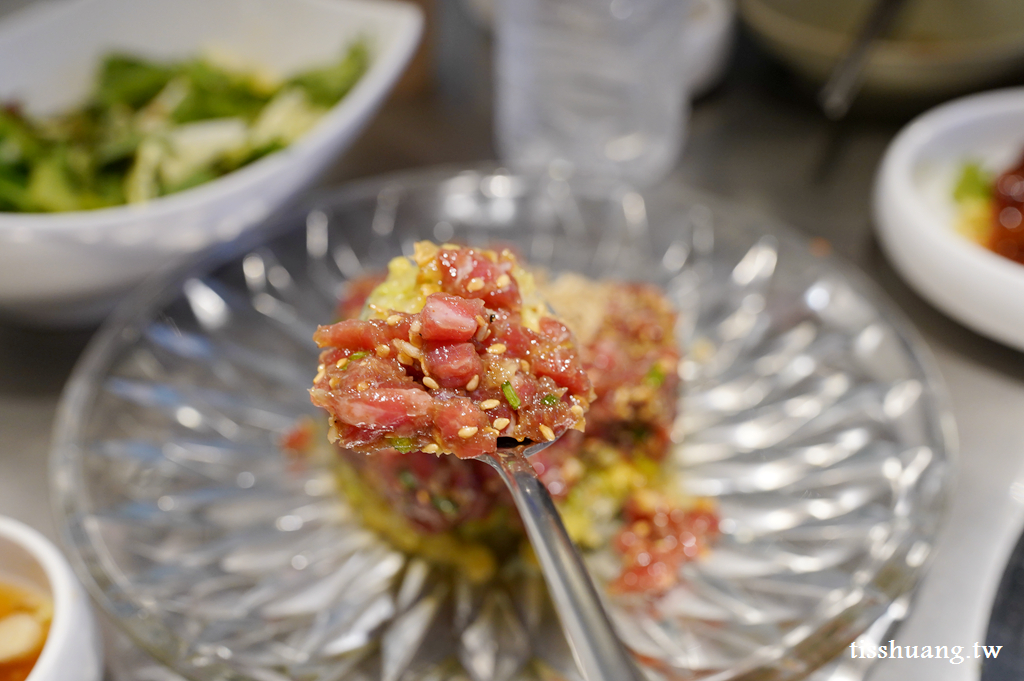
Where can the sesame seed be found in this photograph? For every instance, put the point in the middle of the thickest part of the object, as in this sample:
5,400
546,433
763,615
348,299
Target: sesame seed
382,350
474,383
489,404
394,319
404,358
467,431
335,380
497,349
501,424
474,284
408,348
430,383
340,364
524,365
576,409
320,370
431,449
503,281
415,327
363,385
547,432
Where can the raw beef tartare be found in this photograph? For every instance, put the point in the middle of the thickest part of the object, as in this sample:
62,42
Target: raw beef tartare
609,477
455,349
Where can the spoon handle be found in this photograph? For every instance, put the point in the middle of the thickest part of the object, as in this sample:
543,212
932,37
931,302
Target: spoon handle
599,653
838,93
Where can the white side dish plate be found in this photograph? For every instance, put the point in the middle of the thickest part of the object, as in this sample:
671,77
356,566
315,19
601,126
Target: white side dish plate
915,212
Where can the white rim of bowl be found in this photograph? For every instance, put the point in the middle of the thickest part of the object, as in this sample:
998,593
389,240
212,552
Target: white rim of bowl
62,587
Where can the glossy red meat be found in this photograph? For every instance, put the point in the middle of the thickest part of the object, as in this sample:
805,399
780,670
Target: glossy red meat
435,493
657,539
1007,237
455,375
450,318
452,365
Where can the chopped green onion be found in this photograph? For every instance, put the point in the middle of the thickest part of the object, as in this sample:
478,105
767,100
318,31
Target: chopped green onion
327,84
402,444
407,479
444,505
974,183
510,395
655,376
355,357
549,400
639,433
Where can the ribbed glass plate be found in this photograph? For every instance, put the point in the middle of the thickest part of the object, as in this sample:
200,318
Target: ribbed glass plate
808,413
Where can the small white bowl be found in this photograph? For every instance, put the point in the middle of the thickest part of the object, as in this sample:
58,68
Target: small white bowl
73,650
914,211
71,267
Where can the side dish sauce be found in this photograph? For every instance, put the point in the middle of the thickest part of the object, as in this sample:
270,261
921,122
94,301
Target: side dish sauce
25,615
1007,237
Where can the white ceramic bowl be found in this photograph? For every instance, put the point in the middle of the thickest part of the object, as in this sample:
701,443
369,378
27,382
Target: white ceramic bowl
937,47
914,211
73,650
70,267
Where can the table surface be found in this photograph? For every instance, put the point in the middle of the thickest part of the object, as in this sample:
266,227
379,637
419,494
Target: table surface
758,139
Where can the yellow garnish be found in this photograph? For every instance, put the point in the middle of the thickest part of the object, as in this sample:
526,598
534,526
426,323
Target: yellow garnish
974,220
411,280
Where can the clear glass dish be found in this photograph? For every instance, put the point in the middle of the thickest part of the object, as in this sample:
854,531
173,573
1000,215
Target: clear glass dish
809,413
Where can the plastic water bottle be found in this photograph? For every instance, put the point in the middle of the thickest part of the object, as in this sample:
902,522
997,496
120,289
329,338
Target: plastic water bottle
591,87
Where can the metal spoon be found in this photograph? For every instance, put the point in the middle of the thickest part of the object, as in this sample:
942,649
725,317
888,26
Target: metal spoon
844,82
598,651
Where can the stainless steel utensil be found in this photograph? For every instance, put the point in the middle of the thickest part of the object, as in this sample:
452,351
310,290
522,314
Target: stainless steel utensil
838,93
598,650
